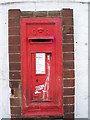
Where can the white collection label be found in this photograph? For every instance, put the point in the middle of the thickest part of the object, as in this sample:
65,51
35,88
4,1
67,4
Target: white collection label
40,63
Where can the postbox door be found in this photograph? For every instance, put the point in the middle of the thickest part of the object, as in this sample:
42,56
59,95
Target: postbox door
41,76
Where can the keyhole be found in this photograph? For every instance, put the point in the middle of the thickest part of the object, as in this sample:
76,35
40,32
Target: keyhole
36,80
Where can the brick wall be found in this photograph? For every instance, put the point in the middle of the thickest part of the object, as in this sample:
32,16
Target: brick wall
68,63
15,60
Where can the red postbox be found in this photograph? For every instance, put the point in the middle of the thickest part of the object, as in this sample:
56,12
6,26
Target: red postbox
41,66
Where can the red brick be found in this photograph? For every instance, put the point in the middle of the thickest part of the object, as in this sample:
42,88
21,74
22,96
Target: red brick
67,12
14,39
68,100
14,13
15,101
16,92
68,39
53,13
14,31
15,110
67,29
26,14
68,65
14,22
68,56
69,91
70,115
14,49
68,47
40,13
67,20
68,108
14,66
35,118
14,57
68,73
14,84
68,83
17,117
14,75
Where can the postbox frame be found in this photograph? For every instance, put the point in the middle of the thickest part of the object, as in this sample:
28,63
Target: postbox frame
24,41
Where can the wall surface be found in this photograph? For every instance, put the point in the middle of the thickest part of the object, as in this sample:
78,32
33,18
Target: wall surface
88,61
81,49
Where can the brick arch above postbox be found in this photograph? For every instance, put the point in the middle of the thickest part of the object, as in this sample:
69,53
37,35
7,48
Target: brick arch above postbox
14,16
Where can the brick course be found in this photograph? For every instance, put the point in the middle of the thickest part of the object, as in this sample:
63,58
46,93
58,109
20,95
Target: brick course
68,100
15,101
68,83
70,115
27,14
68,39
14,58
67,21
14,16
14,84
68,56
40,13
67,13
68,65
14,66
14,40
14,75
67,29
14,31
54,13
16,92
68,48
14,49
13,22
68,108
68,91
14,13
68,73
16,110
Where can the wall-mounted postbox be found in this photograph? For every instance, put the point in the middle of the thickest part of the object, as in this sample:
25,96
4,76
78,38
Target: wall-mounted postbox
41,66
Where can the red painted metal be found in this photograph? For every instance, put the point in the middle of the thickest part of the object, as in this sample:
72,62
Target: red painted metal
41,45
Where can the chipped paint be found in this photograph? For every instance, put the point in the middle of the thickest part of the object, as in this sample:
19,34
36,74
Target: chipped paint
46,87
25,101
40,87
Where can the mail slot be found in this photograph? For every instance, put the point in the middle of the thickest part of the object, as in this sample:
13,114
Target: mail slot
41,66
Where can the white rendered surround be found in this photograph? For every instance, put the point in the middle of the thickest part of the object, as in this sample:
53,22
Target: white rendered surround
80,11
